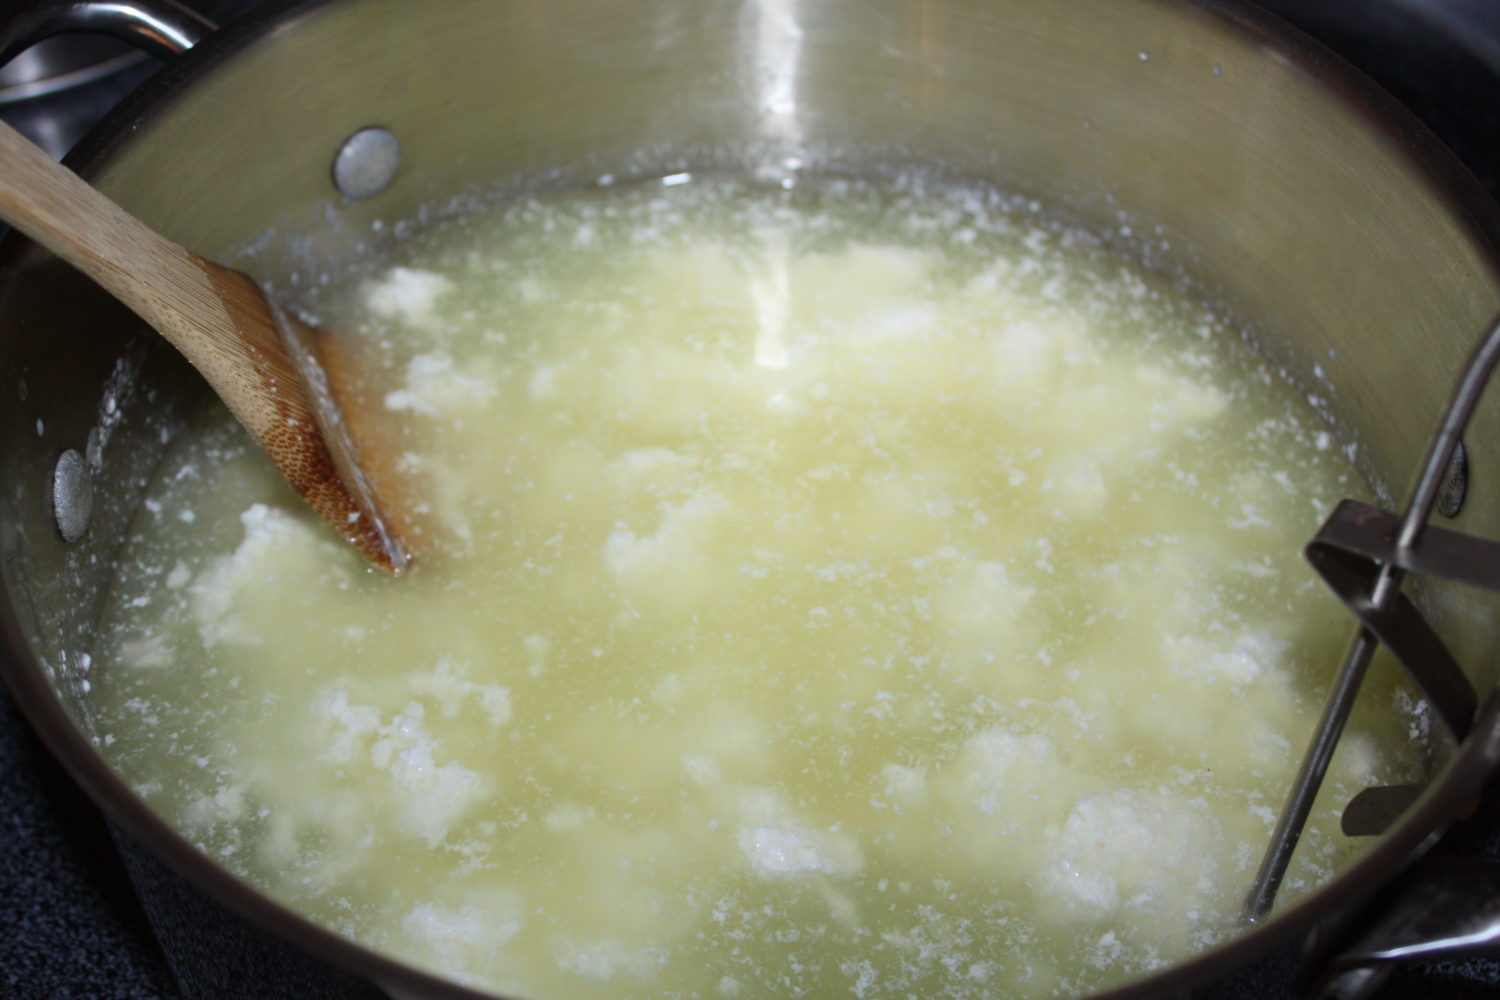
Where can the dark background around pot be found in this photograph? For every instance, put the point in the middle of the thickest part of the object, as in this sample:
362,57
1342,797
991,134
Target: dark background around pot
84,916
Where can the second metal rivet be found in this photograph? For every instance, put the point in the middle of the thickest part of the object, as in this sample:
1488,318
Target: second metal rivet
366,163
72,495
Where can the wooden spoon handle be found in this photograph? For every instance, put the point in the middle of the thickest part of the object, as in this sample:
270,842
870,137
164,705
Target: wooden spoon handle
217,317
196,304
159,280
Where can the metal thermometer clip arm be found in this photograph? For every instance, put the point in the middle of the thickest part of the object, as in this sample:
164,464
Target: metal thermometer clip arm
1363,553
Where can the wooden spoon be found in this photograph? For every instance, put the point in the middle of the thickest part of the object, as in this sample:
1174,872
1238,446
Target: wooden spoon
261,360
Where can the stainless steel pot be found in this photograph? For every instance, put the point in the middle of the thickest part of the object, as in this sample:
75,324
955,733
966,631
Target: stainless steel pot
1204,137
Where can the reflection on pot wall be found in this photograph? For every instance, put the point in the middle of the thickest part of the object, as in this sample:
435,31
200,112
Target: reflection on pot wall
54,90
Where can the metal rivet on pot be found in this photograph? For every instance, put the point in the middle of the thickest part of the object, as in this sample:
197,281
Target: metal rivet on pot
72,495
1455,485
366,163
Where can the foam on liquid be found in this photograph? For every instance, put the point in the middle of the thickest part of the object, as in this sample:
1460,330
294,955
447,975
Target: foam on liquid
829,592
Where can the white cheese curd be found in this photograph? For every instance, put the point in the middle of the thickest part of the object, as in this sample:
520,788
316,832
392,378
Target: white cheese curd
808,604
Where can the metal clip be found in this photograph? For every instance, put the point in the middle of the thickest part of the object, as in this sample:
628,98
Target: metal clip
1364,554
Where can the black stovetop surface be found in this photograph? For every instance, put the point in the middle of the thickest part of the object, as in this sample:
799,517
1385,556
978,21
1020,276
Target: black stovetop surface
72,923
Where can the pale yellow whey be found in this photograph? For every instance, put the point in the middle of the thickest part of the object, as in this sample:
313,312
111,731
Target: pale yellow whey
843,591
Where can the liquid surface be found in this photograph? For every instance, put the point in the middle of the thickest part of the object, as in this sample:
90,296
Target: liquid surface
834,592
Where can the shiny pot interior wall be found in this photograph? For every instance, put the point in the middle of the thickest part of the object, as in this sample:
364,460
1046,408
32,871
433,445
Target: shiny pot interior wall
1198,136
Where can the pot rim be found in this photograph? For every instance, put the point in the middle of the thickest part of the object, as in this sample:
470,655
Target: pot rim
1456,785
